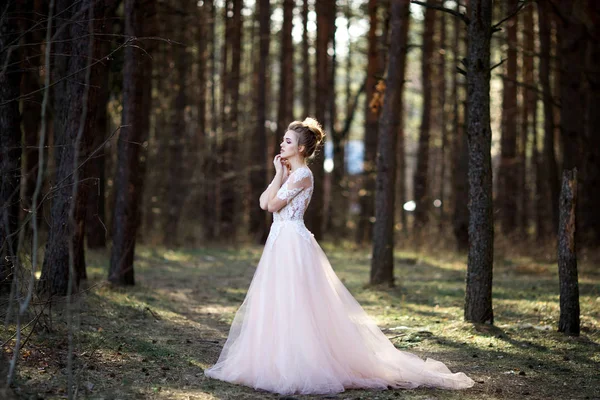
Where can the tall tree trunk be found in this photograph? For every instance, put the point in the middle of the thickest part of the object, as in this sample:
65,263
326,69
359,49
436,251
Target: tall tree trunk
421,190
567,256
76,41
325,17
31,106
95,224
400,147
306,73
478,301
590,195
443,123
374,71
10,144
286,79
229,180
210,162
177,142
508,189
129,179
460,151
549,188
529,109
382,262
258,176
571,54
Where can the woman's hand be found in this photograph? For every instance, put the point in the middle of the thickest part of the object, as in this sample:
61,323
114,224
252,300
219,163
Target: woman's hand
286,171
278,164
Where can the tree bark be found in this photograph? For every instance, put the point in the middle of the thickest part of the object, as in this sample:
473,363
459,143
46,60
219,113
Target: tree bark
567,256
210,162
31,106
75,41
443,120
129,179
549,188
229,180
177,142
364,231
573,43
460,152
478,301
325,17
258,176
286,80
401,142
382,262
590,195
10,144
508,189
421,190
95,225
306,72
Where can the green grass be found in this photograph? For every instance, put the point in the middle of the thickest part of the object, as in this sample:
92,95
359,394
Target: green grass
152,341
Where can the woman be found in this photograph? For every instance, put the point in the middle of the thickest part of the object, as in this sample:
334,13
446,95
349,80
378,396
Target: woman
299,330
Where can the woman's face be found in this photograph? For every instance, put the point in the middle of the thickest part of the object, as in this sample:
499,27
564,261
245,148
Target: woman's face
289,145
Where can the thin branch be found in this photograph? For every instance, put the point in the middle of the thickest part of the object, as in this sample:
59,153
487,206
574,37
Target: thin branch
496,27
350,117
499,64
462,16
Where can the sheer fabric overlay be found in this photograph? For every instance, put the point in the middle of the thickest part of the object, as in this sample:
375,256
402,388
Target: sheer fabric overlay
300,331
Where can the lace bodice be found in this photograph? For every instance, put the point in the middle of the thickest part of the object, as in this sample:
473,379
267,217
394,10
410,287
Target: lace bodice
297,191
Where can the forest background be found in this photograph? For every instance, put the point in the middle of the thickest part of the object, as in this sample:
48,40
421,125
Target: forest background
138,135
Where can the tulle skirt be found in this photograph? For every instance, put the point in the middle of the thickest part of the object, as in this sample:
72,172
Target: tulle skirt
300,331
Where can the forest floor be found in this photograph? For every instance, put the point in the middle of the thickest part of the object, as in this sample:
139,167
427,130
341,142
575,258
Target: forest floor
153,341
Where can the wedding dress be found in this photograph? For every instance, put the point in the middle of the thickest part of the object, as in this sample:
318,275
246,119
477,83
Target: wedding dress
300,331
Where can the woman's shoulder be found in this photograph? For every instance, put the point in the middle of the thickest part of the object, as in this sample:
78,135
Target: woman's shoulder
300,173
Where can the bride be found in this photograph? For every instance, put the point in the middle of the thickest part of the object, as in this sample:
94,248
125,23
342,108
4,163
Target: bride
299,330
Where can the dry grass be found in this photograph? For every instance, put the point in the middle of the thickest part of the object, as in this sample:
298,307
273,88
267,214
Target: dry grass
153,341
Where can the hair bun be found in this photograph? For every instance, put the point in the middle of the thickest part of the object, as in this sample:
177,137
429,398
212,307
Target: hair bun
315,128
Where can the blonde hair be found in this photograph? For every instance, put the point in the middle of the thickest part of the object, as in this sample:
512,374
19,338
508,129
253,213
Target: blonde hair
310,135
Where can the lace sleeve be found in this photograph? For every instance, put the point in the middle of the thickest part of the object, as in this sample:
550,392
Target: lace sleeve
297,181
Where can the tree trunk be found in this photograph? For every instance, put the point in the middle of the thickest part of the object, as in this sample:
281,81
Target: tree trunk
401,143
258,176
382,262
366,195
567,256
31,106
573,42
325,17
176,184
129,179
460,153
443,123
95,224
229,180
421,190
529,109
306,73
76,41
549,187
286,78
210,162
508,189
478,301
590,195
10,145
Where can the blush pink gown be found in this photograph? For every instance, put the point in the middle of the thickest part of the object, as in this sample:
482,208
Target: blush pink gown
300,331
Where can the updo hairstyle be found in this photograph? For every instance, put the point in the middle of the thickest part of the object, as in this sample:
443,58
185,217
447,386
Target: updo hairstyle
310,135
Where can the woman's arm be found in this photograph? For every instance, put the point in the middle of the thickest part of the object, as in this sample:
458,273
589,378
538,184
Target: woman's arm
271,191
281,174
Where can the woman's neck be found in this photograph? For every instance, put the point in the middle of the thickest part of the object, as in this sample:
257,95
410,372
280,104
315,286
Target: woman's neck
296,162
